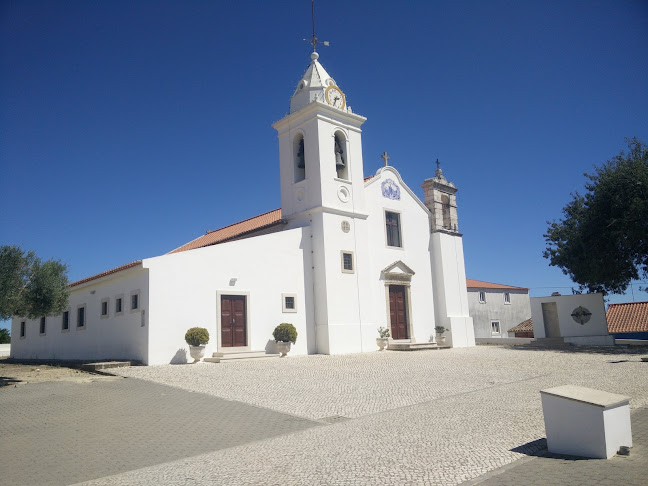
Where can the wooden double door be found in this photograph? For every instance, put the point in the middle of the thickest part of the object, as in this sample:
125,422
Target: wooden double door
233,321
398,312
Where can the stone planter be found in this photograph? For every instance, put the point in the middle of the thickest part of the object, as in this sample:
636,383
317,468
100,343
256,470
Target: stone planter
197,352
283,348
382,343
440,339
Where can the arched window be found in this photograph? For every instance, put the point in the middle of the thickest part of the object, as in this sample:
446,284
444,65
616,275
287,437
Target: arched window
299,158
341,162
445,211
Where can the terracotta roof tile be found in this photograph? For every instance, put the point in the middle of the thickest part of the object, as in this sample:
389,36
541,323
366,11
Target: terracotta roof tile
106,273
232,231
524,326
478,284
628,317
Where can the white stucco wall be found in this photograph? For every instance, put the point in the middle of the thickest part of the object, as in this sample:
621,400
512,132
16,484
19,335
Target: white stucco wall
415,237
566,304
185,290
495,309
114,337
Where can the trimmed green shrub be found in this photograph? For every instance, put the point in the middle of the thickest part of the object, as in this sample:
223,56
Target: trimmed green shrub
285,332
440,329
197,336
383,332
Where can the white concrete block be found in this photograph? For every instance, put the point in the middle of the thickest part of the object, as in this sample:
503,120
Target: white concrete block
585,422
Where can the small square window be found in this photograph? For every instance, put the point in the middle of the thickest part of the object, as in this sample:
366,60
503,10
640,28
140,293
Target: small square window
65,321
347,262
22,329
495,327
81,316
482,297
104,308
118,305
289,302
42,325
507,298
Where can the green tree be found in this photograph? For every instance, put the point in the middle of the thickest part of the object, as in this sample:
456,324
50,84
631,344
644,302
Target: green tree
30,287
602,241
5,337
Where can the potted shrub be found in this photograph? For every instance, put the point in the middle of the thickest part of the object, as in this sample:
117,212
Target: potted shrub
440,338
383,338
197,338
284,334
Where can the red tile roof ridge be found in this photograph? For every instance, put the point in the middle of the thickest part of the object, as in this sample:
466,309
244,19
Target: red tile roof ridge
627,317
106,273
232,231
480,284
524,326
243,221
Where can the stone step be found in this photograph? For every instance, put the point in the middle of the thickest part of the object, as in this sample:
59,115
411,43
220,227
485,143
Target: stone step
104,365
401,346
239,356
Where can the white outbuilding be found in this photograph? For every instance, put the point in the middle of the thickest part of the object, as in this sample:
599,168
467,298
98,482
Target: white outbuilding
343,256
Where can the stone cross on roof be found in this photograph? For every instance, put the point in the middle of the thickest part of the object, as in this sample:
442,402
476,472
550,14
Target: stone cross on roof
386,158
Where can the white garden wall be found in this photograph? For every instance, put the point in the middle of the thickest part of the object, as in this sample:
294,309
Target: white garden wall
123,336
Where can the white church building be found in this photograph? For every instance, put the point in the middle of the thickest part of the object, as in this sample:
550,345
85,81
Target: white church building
343,256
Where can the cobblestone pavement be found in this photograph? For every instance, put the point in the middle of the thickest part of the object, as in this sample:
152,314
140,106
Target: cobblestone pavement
439,418
558,470
59,433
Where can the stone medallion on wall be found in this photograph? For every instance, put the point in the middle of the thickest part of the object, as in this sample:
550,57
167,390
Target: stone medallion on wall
581,315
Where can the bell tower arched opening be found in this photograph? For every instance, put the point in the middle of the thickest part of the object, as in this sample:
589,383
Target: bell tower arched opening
341,160
299,162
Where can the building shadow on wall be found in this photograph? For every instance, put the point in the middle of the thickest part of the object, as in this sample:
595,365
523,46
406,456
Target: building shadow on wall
180,357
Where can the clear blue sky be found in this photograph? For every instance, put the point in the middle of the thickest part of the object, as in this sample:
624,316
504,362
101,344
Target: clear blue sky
128,128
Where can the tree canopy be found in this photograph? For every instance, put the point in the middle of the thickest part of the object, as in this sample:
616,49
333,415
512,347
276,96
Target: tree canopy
601,242
5,336
30,287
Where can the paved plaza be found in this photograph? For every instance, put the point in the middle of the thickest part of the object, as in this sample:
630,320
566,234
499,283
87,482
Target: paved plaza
426,417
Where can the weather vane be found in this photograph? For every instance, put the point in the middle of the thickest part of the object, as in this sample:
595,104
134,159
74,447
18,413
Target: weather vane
314,41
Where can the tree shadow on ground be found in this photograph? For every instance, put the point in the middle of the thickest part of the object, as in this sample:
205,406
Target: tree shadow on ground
7,380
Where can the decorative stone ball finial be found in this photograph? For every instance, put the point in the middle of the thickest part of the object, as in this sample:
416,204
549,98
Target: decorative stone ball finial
314,55
438,172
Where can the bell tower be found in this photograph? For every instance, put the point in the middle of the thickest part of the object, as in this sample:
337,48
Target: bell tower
320,148
322,186
447,258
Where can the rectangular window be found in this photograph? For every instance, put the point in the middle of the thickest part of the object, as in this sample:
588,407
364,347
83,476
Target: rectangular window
118,305
482,297
42,325
289,302
22,329
135,301
65,323
81,316
495,327
347,262
104,308
392,224
507,298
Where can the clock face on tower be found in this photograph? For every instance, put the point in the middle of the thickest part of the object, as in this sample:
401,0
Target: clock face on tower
335,97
